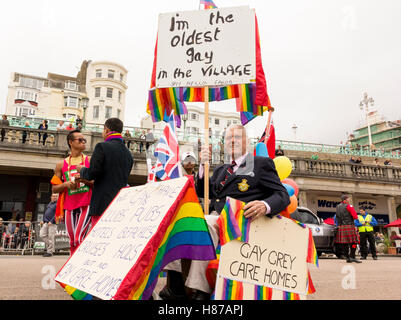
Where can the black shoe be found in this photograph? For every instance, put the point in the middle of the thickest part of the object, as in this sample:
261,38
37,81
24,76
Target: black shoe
349,260
363,258
374,258
356,261
167,294
200,295
47,255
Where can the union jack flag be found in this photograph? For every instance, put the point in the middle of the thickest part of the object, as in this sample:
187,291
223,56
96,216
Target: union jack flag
167,152
157,170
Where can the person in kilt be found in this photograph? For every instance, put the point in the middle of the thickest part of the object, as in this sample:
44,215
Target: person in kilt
347,236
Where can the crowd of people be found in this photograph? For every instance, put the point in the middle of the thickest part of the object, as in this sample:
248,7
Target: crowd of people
15,235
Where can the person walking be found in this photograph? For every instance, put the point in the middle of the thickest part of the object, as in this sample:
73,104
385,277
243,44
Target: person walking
365,224
75,193
109,168
49,226
347,236
43,126
24,133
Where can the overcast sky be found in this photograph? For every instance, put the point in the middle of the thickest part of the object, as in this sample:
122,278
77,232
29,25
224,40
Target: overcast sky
319,56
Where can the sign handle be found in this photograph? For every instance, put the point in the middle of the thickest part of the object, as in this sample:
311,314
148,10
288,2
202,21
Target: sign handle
206,164
267,132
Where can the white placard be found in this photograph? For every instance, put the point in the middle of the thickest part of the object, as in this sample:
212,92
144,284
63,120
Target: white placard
214,47
113,246
274,257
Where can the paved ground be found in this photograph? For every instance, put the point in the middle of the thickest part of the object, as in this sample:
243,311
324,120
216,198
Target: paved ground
29,278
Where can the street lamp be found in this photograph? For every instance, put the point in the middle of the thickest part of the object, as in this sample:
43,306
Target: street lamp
85,101
294,128
364,104
184,118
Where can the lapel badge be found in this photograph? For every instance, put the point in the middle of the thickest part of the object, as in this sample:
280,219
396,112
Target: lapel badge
243,186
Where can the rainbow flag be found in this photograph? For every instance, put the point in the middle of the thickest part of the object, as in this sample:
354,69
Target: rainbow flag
183,234
208,4
162,101
263,293
290,296
233,225
312,256
75,293
232,290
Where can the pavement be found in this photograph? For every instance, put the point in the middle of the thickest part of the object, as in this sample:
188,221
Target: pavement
31,278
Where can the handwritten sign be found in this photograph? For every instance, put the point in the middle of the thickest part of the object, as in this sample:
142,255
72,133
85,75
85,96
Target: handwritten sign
206,47
274,257
113,246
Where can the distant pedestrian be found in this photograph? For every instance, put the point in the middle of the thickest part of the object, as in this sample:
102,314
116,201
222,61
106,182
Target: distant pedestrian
49,226
347,236
69,127
142,136
4,123
60,126
365,224
78,121
149,138
24,133
127,137
388,162
24,235
43,126
279,152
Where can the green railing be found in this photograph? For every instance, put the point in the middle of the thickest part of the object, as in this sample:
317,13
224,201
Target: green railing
216,141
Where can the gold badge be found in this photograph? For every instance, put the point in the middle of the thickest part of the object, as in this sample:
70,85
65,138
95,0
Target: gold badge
243,186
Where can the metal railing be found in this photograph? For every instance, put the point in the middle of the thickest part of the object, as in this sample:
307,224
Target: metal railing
16,238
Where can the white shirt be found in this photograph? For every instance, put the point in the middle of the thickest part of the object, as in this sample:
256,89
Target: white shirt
238,163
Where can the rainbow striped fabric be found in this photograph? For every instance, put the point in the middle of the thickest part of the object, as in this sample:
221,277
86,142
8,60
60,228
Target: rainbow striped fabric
208,4
312,252
183,234
263,293
233,225
290,296
232,290
164,100
75,293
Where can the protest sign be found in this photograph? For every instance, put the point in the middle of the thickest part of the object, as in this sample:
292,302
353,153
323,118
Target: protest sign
275,256
200,48
131,242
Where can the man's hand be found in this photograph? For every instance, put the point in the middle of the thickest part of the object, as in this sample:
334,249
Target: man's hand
205,154
79,167
70,185
254,209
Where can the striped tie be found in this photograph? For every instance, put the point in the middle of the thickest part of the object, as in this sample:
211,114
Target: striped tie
229,172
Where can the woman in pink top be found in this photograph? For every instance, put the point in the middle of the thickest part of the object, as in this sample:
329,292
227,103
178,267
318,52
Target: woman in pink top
78,192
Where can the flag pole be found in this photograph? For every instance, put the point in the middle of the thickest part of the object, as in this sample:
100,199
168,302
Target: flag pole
206,164
267,132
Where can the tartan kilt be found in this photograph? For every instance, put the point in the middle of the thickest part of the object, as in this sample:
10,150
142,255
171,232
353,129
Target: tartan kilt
347,234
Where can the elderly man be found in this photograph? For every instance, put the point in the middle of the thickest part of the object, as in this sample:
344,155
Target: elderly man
248,178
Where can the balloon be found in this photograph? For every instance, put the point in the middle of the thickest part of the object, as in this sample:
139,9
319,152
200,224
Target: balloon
293,204
290,189
261,150
283,167
292,183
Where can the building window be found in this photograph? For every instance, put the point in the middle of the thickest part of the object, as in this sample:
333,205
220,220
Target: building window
98,73
118,113
194,116
108,112
228,123
121,77
119,96
194,130
71,102
234,121
95,112
217,121
70,85
31,83
111,74
109,93
97,92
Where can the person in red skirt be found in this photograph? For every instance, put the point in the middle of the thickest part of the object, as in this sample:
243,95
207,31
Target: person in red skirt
347,236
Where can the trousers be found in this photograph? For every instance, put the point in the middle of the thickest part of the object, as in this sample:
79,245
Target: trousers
48,233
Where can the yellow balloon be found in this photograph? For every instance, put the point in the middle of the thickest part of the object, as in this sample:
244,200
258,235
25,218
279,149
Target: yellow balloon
283,167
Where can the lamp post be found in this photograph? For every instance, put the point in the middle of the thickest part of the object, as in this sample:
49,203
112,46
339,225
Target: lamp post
364,105
294,128
85,102
184,118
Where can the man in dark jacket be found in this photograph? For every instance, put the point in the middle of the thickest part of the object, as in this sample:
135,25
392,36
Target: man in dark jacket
49,227
253,180
347,236
110,167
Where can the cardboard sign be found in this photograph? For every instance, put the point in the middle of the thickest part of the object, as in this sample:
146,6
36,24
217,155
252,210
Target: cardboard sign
113,246
274,257
213,47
